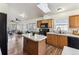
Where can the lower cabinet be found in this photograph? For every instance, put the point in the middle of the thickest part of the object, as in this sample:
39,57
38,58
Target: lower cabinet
73,42
57,40
52,39
62,41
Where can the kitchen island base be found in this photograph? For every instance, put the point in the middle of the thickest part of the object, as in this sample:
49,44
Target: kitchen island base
34,47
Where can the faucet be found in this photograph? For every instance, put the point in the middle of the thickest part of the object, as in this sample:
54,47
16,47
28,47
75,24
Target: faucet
59,30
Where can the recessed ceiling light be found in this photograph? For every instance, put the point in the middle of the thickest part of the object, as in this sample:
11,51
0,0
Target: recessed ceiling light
23,15
44,7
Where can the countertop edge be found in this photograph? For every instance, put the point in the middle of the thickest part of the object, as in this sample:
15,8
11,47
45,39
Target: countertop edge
35,39
70,35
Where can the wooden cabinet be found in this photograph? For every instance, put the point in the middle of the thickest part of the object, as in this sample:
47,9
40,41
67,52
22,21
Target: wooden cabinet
38,23
74,21
52,39
57,40
44,21
61,41
49,21
31,47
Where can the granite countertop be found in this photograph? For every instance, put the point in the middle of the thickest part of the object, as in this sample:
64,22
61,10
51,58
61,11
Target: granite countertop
35,37
70,35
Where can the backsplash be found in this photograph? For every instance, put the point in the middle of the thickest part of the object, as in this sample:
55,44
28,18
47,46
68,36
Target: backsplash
71,29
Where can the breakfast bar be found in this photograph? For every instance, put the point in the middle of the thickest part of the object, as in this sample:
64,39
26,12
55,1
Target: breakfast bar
34,45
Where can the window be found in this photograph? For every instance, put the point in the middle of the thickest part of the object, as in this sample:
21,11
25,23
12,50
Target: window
62,23
63,27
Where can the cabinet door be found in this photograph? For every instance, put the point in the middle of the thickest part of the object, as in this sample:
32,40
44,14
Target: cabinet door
77,22
30,47
50,23
52,39
62,41
74,21
38,23
49,38
71,21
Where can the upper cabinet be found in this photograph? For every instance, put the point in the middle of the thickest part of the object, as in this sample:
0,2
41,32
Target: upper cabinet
49,21
38,23
74,21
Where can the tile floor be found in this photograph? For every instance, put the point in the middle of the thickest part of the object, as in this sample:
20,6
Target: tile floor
50,50
15,47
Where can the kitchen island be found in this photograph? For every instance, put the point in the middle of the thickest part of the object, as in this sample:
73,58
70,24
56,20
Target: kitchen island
34,45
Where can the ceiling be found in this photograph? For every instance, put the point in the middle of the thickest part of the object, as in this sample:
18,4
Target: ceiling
32,11
29,9
66,6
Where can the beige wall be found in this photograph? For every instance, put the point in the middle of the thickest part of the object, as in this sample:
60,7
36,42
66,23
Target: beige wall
3,7
62,15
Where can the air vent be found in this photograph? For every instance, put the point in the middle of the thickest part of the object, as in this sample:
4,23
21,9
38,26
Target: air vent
60,9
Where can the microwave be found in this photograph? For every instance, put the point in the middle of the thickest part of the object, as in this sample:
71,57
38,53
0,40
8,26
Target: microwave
44,25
